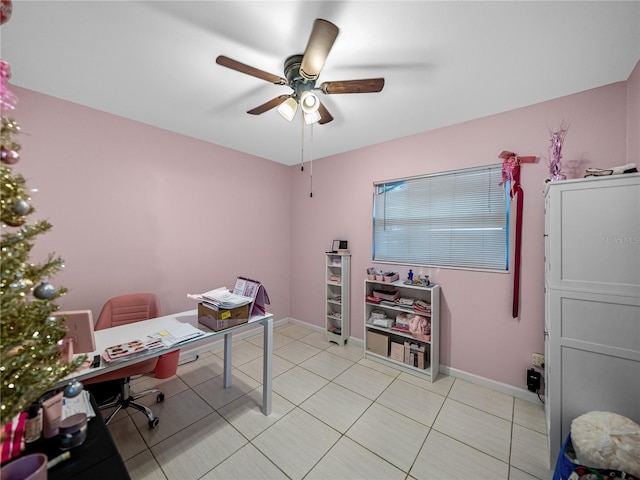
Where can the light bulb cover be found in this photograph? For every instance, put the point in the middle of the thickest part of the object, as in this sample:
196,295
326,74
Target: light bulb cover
309,102
312,117
288,109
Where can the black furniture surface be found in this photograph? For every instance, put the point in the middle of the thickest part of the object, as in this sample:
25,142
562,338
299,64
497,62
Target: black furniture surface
96,459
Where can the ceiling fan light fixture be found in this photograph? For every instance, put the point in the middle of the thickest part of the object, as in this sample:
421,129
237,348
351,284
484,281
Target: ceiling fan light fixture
288,109
312,117
309,102
300,74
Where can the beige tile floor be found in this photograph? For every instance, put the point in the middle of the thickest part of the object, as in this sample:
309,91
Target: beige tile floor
335,415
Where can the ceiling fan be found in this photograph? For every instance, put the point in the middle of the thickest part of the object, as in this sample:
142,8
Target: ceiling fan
301,73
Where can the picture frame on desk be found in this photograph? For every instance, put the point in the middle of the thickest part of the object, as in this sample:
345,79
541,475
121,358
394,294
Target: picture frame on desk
80,335
339,246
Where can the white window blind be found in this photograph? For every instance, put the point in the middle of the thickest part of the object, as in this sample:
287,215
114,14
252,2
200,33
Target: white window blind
453,219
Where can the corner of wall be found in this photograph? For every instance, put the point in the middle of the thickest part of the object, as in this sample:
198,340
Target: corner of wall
633,116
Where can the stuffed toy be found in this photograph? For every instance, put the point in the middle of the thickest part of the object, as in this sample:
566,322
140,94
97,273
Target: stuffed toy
419,324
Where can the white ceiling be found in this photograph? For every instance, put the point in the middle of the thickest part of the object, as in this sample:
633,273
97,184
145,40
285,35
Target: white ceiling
444,62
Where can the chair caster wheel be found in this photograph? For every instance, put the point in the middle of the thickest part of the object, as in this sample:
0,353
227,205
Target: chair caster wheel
160,398
154,423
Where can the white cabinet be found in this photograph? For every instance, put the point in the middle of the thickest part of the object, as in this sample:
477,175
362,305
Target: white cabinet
337,297
413,353
592,296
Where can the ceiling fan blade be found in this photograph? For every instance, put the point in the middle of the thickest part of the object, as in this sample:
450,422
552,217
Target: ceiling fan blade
325,116
265,107
321,40
254,72
368,85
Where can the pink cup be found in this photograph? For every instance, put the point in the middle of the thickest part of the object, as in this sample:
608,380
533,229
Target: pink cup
29,467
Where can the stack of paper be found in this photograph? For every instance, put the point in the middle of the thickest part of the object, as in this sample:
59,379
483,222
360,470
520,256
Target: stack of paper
79,404
223,298
176,334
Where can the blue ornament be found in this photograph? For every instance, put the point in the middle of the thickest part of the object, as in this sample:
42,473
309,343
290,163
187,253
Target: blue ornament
44,291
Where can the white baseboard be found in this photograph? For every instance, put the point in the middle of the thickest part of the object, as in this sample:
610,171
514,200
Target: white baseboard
492,384
190,354
445,370
315,328
350,340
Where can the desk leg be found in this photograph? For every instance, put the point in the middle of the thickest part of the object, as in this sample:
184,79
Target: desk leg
266,365
227,360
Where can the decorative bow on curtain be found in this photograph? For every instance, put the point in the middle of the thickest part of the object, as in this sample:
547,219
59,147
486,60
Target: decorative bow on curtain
511,173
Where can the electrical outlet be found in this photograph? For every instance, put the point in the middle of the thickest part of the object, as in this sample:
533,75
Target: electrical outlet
537,359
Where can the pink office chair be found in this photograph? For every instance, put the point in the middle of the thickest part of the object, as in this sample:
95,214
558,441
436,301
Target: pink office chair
120,311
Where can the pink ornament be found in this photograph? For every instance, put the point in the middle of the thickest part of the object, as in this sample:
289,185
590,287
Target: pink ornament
7,99
9,156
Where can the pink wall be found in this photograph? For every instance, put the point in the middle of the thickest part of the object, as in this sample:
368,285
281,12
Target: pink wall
137,208
633,116
478,333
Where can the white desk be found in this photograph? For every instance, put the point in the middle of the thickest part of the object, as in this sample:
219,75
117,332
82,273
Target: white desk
139,330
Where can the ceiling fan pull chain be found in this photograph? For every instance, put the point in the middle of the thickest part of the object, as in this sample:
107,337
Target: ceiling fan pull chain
302,143
311,164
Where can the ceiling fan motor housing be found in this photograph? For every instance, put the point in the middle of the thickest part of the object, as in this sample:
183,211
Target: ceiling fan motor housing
296,81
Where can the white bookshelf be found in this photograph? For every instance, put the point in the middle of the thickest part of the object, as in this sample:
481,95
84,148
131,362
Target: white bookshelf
337,315
429,294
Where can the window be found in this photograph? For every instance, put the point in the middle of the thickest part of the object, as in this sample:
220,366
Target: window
453,219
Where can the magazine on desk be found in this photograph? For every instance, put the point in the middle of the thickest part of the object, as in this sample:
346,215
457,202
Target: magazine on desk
168,337
132,349
254,290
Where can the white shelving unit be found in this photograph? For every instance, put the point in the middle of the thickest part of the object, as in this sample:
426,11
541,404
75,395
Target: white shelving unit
337,297
431,295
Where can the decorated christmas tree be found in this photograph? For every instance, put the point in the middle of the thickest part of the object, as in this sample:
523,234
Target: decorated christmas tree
30,355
